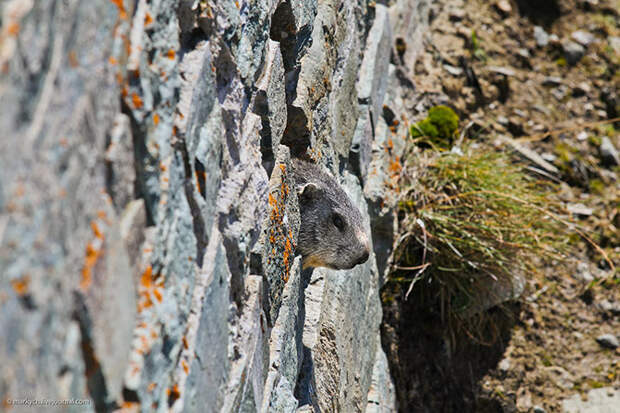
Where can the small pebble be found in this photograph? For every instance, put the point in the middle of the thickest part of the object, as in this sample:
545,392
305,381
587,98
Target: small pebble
582,136
609,153
541,36
504,7
573,52
608,341
582,37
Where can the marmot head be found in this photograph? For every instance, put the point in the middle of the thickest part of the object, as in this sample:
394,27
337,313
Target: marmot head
331,233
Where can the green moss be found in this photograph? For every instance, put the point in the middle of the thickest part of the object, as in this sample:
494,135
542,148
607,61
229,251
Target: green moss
439,127
561,62
597,187
594,141
476,47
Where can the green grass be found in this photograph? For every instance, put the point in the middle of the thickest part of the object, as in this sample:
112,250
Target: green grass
474,220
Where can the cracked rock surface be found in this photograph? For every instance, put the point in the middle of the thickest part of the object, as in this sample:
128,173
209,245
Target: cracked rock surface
148,222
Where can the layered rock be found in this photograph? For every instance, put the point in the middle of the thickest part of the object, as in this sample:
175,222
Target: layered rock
148,222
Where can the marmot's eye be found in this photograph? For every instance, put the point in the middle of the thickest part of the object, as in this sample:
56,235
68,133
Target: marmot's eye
338,222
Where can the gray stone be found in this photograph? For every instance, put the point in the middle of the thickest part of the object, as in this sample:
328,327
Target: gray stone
408,22
614,43
552,81
539,409
135,213
583,272
372,82
582,37
504,365
541,36
281,231
610,307
608,341
382,395
603,400
454,71
119,156
270,101
609,153
573,52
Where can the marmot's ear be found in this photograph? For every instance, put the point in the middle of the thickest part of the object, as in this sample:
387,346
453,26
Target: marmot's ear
308,191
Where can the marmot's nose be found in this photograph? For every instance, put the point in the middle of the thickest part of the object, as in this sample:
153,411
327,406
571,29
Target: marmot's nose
363,258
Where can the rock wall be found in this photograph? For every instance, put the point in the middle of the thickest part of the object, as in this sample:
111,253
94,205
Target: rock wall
148,220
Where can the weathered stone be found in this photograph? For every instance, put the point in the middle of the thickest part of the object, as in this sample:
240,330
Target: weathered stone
286,352
135,252
373,81
603,400
281,229
608,341
609,153
541,36
582,37
573,52
270,103
409,22
119,156
382,395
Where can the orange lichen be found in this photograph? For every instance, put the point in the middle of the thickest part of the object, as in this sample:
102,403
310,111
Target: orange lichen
20,285
151,387
73,61
130,406
20,190
137,102
113,61
173,394
91,257
171,54
96,230
185,366
151,285
395,166
162,167
121,8
286,255
185,344
13,29
277,233
148,19
156,119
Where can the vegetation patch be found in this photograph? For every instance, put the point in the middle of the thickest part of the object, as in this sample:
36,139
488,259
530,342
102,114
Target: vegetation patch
438,129
470,224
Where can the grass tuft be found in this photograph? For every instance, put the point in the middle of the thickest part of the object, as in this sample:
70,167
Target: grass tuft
472,223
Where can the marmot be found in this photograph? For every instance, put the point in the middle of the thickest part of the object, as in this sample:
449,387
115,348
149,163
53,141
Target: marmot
331,233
